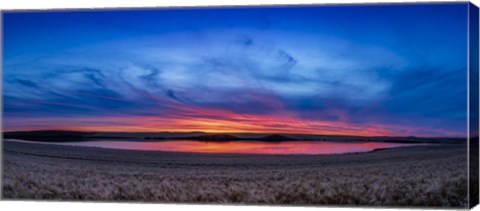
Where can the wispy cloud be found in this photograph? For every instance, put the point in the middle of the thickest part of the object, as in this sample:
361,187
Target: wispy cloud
236,79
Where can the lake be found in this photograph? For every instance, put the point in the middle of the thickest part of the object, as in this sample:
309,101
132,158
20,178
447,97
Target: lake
247,147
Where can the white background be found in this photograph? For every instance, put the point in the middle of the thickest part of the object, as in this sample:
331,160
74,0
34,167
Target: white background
83,206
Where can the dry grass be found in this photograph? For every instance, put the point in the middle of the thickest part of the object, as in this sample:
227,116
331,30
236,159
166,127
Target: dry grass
414,176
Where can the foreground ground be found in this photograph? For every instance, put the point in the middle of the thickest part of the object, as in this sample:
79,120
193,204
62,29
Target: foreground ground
434,175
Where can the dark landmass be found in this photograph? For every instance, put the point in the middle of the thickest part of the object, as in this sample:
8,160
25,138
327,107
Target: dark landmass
49,135
276,137
75,136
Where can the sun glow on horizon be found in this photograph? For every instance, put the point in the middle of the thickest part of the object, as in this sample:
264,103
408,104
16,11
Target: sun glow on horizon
225,122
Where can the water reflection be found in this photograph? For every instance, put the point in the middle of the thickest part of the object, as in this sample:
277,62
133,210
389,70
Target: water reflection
250,147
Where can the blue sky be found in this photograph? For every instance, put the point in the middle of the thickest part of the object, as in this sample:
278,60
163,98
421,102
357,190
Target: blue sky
364,69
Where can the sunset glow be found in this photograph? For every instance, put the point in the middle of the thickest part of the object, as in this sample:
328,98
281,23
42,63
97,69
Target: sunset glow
298,70
243,147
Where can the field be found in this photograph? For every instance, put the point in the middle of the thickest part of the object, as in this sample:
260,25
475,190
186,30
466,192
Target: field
432,176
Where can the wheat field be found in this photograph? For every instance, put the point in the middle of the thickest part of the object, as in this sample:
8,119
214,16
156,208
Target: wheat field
427,176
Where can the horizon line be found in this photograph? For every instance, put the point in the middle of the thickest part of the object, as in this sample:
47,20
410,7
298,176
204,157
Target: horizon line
259,133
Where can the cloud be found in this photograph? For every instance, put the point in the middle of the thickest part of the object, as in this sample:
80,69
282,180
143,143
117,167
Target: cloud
27,83
315,82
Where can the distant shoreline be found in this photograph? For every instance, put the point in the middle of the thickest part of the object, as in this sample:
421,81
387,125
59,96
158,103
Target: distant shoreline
257,151
75,136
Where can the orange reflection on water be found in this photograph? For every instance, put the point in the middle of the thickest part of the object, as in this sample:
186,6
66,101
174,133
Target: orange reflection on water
249,147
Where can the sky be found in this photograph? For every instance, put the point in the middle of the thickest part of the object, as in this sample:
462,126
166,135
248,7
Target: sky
367,70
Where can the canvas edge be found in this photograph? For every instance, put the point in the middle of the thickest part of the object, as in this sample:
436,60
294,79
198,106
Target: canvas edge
240,6
2,13
473,104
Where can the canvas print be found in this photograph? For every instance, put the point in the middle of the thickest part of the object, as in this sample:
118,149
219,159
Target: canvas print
344,105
